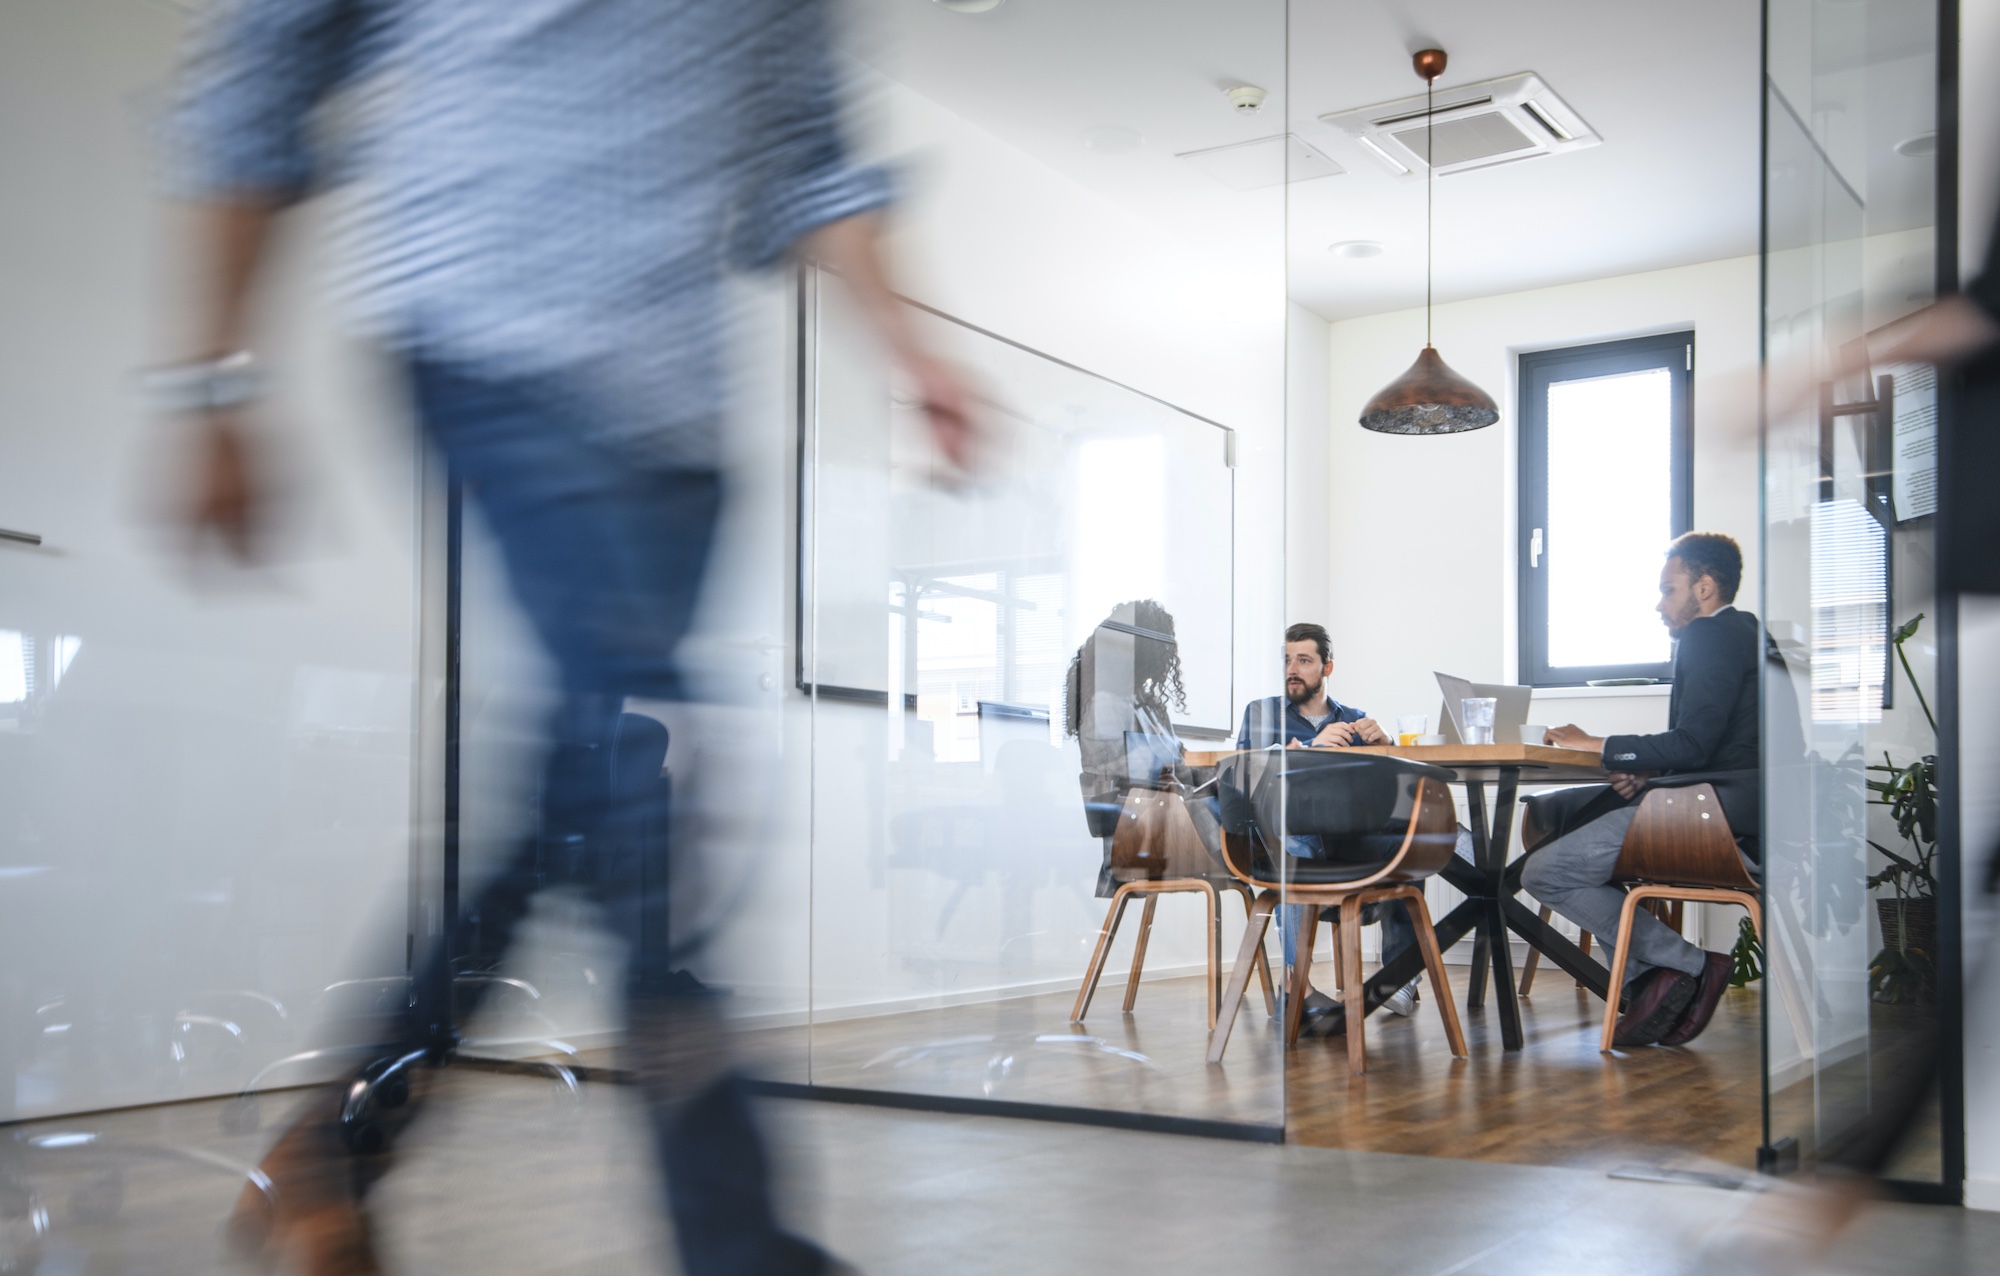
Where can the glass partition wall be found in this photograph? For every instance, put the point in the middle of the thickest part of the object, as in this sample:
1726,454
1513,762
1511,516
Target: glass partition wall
1851,865
998,666
890,816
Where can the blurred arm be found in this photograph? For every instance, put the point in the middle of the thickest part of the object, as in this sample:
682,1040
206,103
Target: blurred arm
255,71
851,247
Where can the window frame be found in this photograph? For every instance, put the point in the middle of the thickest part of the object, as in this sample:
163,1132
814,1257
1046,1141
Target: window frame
1673,351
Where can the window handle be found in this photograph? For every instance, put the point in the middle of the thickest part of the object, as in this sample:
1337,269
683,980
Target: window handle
1535,548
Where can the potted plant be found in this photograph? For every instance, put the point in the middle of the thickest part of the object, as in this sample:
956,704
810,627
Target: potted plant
1905,971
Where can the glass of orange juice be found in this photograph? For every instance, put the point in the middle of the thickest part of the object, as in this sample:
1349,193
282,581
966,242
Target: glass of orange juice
1409,727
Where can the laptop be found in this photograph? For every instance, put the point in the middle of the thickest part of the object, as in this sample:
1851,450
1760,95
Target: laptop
1510,708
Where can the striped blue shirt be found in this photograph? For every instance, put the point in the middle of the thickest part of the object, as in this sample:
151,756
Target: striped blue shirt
539,187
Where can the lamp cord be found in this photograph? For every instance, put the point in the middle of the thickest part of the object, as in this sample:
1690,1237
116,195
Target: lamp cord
1430,196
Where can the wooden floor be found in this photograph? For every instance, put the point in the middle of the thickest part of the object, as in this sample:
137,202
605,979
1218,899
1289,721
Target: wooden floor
1555,1102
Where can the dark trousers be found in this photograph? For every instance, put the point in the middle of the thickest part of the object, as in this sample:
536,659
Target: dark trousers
606,559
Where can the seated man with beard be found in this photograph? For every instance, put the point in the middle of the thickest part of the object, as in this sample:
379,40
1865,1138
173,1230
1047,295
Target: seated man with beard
1305,716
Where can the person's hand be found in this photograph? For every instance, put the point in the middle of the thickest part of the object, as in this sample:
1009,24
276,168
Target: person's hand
1572,736
1948,332
226,496
947,409
1628,783
1371,732
1334,735
1294,744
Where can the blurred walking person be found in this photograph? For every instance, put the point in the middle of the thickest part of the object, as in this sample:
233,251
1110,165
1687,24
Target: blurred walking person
549,193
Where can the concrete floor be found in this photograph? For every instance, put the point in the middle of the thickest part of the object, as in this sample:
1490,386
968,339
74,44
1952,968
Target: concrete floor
504,1176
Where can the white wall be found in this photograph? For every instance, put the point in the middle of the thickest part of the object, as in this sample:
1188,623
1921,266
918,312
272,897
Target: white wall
1308,514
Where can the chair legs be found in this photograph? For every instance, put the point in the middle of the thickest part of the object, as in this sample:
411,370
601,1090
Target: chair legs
1139,951
1298,978
1427,940
1263,961
1248,957
1349,941
1622,952
1535,955
1109,933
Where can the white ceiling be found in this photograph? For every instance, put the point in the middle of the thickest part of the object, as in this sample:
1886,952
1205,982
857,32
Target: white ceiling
1673,90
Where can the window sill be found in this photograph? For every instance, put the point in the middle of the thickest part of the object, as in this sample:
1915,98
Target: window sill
1602,693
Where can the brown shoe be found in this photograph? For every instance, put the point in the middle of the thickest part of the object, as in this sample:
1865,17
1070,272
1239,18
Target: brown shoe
1655,1003
1715,974
305,1211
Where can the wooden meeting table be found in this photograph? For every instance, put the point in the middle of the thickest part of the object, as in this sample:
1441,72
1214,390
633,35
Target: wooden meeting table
1489,883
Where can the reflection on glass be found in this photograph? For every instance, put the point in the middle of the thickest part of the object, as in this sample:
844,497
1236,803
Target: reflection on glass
1849,599
1000,673
1610,509
1850,234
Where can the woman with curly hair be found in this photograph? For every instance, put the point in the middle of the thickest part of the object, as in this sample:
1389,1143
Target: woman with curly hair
1122,682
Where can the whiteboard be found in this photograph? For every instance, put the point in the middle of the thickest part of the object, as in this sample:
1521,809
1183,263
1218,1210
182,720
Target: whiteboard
1091,494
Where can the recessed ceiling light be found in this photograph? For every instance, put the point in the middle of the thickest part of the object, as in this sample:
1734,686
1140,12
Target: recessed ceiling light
1356,249
1922,146
1113,139
972,6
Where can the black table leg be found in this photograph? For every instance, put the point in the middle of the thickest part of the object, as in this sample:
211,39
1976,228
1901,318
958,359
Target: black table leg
1506,993
1570,959
1482,939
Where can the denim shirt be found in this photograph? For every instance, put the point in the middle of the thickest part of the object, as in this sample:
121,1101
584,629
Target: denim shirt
1261,719
537,188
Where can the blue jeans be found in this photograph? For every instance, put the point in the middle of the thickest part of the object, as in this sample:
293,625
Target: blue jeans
606,559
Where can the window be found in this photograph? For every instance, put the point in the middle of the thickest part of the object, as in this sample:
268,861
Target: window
1606,456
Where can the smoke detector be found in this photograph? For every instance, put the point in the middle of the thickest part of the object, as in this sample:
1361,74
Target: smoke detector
1245,99
1515,117
971,6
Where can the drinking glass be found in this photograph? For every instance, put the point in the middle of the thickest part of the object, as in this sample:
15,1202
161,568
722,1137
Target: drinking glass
1475,713
1409,727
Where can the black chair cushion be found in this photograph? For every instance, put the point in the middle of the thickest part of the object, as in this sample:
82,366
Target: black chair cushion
1354,809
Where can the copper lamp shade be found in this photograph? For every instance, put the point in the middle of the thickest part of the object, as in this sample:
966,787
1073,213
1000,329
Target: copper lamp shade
1429,399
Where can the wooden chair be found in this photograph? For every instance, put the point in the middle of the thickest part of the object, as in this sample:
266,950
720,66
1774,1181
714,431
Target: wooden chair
1385,841
1680,849
1158,850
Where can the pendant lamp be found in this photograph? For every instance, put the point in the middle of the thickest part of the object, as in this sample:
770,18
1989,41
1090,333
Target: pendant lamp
1430,398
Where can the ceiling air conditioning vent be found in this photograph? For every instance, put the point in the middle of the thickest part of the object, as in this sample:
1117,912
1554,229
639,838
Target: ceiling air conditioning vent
1499,121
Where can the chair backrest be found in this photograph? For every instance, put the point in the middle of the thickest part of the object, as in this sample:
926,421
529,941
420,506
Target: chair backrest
1377,818
1680,837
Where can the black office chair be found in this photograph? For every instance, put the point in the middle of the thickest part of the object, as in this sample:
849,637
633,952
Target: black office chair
1385,823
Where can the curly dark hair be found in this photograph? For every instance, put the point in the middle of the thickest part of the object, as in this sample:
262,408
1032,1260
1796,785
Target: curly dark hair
1711,554
1157,663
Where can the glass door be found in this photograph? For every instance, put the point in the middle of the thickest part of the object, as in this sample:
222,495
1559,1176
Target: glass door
1850,841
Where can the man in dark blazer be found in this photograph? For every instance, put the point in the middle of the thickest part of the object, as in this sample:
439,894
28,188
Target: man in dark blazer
1672,986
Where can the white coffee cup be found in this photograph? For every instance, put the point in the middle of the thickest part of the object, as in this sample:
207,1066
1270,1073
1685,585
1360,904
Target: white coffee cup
1430,739
1533,733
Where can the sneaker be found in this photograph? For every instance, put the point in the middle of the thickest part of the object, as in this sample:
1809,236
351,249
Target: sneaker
1403,1001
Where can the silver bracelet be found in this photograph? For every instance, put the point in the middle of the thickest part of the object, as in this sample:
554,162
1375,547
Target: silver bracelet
213,385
